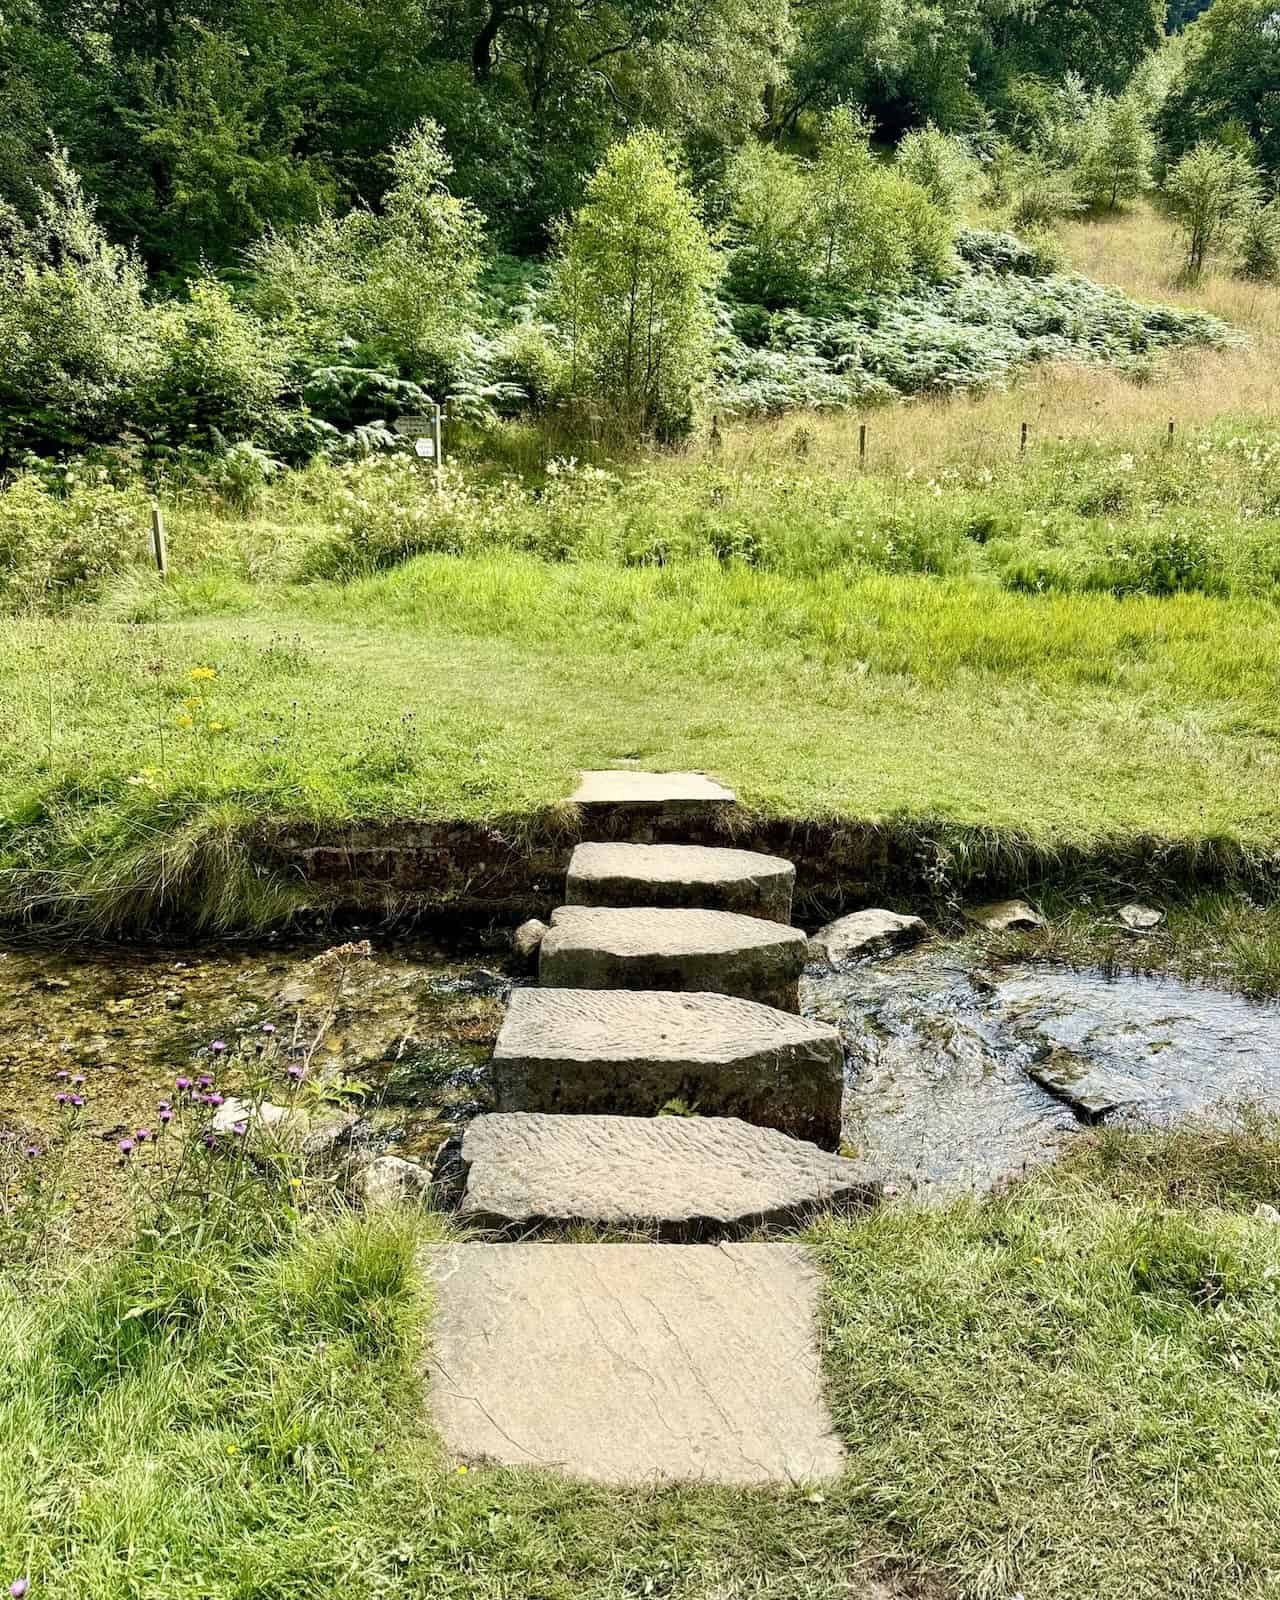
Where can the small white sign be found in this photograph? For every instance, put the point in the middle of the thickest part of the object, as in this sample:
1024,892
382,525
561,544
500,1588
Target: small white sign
425,447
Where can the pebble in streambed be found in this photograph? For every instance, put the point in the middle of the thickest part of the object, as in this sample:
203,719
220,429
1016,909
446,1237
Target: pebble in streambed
962,1075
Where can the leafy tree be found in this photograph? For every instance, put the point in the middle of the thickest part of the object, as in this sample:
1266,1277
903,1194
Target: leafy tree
1230,74
872,228
75,333
1116,164
634,271
942,165
770,227
1103,41
1209,191
396,285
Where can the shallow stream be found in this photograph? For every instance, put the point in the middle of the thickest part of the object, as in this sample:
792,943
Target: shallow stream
961,1072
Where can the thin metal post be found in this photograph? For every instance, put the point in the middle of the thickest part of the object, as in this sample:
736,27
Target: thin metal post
158,547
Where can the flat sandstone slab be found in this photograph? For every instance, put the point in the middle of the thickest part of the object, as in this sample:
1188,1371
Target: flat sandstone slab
632,1363
644,947
744,881
661,790
686,1177
632,1052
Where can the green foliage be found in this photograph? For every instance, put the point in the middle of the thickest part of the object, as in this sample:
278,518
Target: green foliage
940,164
1260,241
1210,191
60,544
75,338
872,229
633,277
771,226
396,286
1102,41
1230,74
1116,164
219,373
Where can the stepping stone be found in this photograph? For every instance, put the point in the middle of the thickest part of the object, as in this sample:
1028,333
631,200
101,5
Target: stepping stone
685,1177
1091,1089
664,791
744,881
614,1051
642,947
632,1363
864,933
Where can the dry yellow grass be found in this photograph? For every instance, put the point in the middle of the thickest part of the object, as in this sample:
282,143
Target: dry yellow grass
1138,251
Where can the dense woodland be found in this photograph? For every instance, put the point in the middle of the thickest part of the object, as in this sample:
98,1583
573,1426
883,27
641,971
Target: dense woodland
243,221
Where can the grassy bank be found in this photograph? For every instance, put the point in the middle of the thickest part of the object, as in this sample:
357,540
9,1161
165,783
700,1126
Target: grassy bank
1066,1391
138,759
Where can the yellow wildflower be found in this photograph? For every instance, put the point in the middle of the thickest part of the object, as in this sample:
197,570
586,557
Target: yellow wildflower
217,727
203,673
231,1449
185,721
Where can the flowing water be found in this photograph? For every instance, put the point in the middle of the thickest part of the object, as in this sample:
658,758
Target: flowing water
961,1073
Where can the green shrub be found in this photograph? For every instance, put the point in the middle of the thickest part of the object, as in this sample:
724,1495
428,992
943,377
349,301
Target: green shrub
1260,242
941,164
219,372
57,547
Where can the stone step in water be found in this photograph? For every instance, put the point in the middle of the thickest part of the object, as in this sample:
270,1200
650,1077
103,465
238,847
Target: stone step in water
635,1052
642,947
681,1177
650,805
632,1363
743,881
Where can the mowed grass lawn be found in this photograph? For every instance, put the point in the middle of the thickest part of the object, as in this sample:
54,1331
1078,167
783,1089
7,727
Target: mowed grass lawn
1070,1392
474,687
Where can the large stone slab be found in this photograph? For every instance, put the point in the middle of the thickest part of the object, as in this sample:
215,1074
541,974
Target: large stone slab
599,1050
662,790
742,881
704,952
632,1363
682,1177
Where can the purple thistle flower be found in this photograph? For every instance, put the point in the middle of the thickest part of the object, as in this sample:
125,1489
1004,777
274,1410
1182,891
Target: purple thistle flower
208,1141
125,1147
296,1073
204,1081
33,1150
268,1027
214,1100
62,1098
142,1135
163,1105
77,1080
19,1587
241,1128
166,1115
62,1076
182,1084
218,1046
77,1099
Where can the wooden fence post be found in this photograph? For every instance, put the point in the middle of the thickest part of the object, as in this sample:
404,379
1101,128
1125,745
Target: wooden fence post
158,546
862,445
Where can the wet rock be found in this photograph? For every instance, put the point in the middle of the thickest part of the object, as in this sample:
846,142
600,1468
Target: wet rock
633,1363
864,933
1090,1088
633,1052
1140,919
390,1180
684,1177
1005,916
527,938
704,952
714,879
